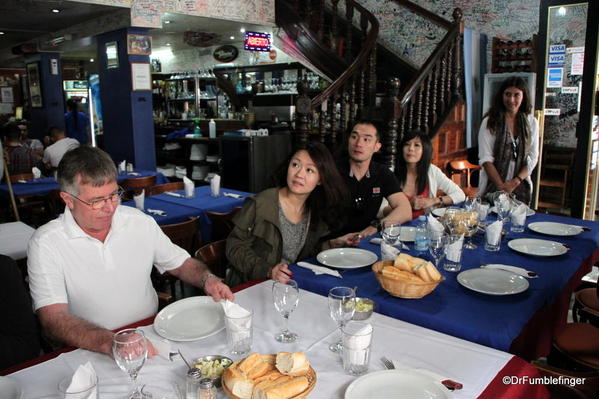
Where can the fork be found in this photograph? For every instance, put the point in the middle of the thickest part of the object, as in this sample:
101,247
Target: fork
387,363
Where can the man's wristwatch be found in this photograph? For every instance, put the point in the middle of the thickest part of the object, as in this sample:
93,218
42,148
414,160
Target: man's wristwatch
376,224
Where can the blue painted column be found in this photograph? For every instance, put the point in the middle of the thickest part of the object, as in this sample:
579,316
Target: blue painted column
51,112
127,114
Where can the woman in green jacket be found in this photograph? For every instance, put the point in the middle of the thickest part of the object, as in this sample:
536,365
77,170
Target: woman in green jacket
282,225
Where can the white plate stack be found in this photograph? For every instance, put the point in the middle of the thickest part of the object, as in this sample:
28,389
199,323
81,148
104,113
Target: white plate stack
198,152
200,172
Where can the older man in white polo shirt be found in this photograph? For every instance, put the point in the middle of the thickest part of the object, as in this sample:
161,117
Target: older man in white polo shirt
89,270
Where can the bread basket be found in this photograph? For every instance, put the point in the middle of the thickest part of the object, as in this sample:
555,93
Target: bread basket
409,289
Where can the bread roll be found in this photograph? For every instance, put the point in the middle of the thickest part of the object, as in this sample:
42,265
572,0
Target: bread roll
428,272
404,262
260,389
246,364
238,383
259,369
270,359
292,363
282,389
269,376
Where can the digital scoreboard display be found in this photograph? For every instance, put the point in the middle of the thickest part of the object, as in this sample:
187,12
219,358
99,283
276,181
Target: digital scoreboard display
257,41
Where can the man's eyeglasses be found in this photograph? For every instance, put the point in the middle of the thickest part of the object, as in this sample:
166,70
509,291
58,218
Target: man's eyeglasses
100,202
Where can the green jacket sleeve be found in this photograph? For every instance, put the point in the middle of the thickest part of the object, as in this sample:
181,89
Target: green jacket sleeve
246,252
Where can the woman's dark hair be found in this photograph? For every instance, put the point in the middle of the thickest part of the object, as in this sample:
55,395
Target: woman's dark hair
401,171
497,110
328,200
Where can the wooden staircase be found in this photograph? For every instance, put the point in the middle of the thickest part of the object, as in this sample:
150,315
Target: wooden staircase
343,47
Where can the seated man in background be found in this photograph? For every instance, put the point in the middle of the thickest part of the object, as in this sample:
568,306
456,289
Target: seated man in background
20,158
60,145
369,182
34,144
89,269
19,336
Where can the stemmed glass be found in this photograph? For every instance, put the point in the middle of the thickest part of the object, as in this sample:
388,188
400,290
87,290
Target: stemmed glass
436,247
471,203
342,308
390,232
470,226
130,351
285,297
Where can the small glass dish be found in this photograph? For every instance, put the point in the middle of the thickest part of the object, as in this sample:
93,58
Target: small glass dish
209,366
364,309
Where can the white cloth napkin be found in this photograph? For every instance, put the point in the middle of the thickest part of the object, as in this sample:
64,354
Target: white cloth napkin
162,346
233,195
139,200
493,232
232,309
483,211
36,172
319,269
434,226
378,241
519,214
84,377
123,166
388,251
156,212
453,251
238,320
356,344
215,186
189,187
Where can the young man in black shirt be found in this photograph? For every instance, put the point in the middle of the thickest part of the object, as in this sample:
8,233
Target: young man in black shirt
369,182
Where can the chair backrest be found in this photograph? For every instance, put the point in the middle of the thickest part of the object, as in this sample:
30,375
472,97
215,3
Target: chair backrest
21,176
136,184
222,223
163,188
213,255
458,169
585,390
185,234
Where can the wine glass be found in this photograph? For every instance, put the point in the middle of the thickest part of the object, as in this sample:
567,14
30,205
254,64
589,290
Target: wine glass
285,297
390,232
342,308
436,247
471,203
130,351
470,227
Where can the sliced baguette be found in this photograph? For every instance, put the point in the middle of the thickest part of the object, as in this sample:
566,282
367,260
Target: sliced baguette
286,389
292,363
238,383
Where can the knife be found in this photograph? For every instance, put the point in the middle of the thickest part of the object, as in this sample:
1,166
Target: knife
173,194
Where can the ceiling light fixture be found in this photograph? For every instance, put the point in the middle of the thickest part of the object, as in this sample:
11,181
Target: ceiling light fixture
55,10
166,21
91,60
232,37
242,30
1,33
168,44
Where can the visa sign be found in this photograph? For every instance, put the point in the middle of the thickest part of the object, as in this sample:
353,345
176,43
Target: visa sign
557,49
556,59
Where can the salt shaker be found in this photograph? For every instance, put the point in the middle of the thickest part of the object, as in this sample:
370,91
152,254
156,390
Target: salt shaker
192,386
207,389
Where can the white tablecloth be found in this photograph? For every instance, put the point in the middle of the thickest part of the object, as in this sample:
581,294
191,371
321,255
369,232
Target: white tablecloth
471,364
14,237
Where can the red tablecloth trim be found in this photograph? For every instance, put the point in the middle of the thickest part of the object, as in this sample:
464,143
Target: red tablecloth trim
516,367
240,287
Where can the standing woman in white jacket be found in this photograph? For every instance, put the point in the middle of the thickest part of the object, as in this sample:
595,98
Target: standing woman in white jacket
508,142
420,179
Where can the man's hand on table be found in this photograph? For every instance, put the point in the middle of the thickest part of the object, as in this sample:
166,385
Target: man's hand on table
217,289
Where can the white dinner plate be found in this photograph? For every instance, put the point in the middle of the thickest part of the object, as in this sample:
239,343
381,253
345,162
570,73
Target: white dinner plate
190,319
347,258
407,234
537,247
555,229
9,389
492,281
438,212
396,384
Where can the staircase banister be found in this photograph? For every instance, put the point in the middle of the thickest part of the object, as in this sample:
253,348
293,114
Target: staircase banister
428,65
360,60
423,12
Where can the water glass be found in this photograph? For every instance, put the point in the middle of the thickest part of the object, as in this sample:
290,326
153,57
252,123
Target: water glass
436,247
130,350
341,308
493,237
285,297
390,232
239,333
517,223
453,253
357,337
90,391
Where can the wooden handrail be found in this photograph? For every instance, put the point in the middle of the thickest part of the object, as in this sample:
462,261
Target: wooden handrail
423,12
360,60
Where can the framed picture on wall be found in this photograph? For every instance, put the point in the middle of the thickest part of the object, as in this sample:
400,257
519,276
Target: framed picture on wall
139,44
35,88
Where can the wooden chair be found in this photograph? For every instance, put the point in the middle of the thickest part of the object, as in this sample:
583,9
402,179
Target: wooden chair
565,391
586,305
556,172
460,171
213,255
576,347
222,223
163,188
31,207
136,184
187,236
